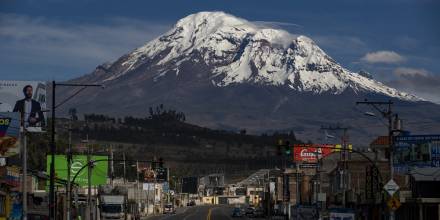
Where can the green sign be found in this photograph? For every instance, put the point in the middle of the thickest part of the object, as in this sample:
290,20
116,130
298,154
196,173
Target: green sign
99,170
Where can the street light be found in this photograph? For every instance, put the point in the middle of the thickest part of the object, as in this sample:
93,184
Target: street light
370,114
52,143
329,136
388,114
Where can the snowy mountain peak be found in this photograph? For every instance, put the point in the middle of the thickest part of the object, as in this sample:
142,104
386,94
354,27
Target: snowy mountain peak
236,51
210,21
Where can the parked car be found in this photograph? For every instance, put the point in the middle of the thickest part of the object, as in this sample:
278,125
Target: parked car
37,217
250,211
236,212
191,203
169,209
258,213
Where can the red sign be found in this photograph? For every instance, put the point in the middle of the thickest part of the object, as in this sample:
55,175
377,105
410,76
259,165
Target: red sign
311,153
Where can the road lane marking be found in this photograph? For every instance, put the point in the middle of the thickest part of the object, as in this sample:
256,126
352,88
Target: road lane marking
186,217
208,217
223,210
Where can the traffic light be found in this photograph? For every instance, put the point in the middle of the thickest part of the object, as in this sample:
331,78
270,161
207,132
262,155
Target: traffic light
285,145
279,144
287,149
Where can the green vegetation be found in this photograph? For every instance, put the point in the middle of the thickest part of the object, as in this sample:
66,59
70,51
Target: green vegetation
163,133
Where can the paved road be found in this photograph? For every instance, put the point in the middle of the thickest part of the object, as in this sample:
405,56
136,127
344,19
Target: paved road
203,212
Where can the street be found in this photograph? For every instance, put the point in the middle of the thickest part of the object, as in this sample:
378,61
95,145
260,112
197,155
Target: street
208,212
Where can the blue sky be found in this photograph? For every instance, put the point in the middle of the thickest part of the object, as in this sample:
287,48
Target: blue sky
398,41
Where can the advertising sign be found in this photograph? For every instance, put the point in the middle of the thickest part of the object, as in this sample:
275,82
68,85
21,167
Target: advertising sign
161,174
166,187
99,170
149,174
311,153
26,97
338,147
417,151
148,186
12,176
9,133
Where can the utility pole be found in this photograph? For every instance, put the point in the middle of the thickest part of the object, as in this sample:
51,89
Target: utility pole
112,169
269,195
52,208
24,175
343,158
69,164
137,186
298,192
52,161
148,197
317,181
89,182
125,172
388,114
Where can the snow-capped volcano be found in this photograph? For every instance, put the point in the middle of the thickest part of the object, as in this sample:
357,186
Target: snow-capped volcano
238,51
229,73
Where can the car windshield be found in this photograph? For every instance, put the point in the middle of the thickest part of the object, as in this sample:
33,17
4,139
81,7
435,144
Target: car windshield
108,208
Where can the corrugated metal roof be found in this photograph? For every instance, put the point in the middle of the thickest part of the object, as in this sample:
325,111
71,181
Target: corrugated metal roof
381,141
426,173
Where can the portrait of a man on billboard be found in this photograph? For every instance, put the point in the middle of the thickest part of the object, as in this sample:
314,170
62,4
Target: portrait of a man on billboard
30,109
28,99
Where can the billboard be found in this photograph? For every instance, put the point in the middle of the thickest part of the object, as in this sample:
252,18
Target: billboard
99,170
148,186
416,150
26,97
338,148
10,175
311,153
9,133
161,174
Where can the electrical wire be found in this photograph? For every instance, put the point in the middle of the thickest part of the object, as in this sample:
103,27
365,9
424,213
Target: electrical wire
71,96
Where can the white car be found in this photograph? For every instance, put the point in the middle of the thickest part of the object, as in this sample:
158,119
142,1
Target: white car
169,209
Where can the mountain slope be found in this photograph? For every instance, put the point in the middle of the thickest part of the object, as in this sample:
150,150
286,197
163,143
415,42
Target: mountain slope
238,51
226,72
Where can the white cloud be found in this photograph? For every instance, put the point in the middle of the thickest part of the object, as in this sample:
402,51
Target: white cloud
405,71
275,24
42,45
419,82
383,57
